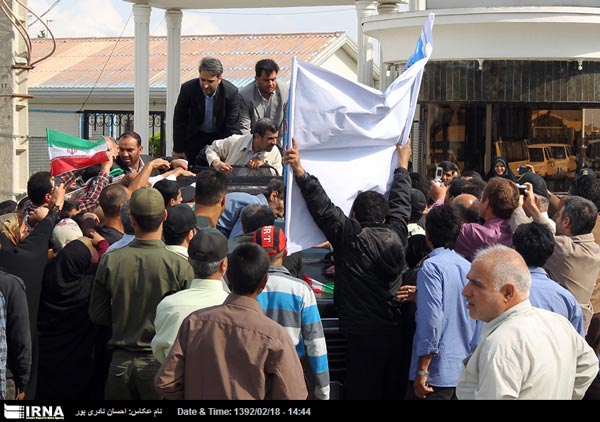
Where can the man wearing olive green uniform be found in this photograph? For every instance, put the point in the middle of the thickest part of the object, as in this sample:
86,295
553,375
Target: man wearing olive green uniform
129,284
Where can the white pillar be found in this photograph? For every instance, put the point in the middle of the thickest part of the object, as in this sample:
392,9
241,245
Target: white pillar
365,9
141,90
416,5
383,8
173,18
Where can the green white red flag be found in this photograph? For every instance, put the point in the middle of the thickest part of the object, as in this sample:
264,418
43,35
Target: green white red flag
68,152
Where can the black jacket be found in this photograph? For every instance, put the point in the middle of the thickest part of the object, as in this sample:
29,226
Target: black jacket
145,158
27,261
189,112
18,337
369,259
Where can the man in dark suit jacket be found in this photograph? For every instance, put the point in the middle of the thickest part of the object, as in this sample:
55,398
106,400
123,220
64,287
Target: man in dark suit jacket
207,108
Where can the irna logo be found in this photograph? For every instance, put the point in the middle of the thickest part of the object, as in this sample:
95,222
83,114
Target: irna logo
32,412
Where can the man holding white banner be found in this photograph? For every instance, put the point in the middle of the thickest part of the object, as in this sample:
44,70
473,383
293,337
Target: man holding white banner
351,131
369,258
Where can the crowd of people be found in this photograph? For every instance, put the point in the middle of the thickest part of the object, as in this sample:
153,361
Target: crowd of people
451,288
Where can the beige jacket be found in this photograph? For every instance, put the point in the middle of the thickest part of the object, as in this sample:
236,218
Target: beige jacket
575,264
596,293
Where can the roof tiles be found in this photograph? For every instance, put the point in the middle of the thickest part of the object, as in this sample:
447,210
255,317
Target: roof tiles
109,62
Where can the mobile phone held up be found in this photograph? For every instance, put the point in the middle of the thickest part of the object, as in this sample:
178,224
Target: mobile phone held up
522,189
523,169
57,180
439,172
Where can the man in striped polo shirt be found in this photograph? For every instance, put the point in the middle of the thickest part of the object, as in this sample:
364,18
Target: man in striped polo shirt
291,302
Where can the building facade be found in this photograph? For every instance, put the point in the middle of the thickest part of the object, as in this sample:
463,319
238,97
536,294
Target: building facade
88,87
513,71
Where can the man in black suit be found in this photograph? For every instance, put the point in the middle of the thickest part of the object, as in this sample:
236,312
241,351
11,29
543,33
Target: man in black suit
207,108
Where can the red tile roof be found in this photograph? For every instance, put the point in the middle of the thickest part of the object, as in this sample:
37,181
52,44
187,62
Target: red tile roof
109,62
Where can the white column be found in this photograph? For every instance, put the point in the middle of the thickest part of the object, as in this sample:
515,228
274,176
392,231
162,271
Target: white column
365,44
384,68
173,18
416,5
385,7
141,90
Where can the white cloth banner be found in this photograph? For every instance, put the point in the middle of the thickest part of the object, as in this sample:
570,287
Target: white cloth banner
347,133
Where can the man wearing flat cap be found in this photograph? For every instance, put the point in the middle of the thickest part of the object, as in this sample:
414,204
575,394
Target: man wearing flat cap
208,256
129,284
541,197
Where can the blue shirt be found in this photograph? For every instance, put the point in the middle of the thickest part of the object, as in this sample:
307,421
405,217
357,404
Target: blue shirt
209,102
547,294
230,222
444,327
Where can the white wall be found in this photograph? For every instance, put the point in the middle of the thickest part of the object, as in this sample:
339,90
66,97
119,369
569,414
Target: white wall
507,33
342,64
65,121
456,4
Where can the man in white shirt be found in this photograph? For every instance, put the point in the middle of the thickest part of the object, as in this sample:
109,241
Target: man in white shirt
252,150
523,352
208,257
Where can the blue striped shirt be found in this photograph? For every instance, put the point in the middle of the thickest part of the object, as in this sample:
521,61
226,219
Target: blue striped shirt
292,303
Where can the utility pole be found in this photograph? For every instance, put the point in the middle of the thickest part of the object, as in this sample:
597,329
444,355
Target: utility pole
14,105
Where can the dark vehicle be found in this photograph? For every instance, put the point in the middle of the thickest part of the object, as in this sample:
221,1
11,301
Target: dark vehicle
252,181
314,262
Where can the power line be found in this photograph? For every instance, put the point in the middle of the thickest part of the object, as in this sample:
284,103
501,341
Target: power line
106,63
44,14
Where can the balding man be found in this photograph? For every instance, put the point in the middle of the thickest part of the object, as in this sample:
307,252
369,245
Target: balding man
467,207
500,198
524,352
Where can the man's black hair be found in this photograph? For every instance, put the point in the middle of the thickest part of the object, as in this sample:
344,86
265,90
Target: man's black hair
587,187
581,212
111,198
535,243
169,189
38,185
131,134
275,185
211,186
247,266
442,227
370,207
266,65
255,216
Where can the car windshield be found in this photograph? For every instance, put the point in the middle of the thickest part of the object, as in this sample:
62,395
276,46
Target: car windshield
536,155
559,152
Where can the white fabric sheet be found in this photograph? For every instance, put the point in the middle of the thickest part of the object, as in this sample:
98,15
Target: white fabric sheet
346,133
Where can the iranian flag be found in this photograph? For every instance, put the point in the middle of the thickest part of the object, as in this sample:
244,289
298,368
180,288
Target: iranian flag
69,152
